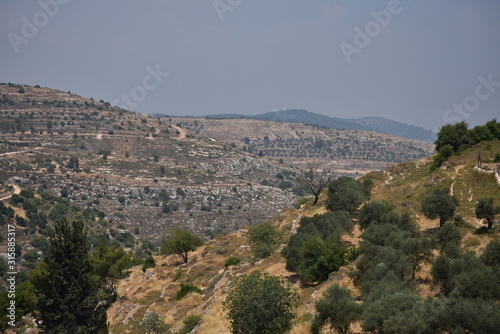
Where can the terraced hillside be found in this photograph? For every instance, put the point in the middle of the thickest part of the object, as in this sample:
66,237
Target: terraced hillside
142,172
345,151
402,187
130,177
152,174
406,184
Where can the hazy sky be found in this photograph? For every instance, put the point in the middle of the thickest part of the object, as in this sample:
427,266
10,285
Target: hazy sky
410,61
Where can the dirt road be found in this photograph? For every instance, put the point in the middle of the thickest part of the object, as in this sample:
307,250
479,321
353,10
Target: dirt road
182,132
17,191
16,152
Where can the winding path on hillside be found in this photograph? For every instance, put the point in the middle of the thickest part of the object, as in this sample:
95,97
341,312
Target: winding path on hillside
18,152
17,191
182,132
454,178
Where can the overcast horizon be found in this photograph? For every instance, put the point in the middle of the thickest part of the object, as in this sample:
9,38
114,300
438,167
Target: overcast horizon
418,62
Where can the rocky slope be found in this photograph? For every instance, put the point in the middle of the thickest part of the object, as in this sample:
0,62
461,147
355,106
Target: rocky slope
403,186
142,172
343,151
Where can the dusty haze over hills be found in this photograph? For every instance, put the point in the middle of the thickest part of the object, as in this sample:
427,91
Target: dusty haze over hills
121,201
409,61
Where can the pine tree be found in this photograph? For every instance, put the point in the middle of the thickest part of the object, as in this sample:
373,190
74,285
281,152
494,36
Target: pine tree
65,285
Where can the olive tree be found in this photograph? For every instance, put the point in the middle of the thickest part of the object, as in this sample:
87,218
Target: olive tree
152,324
440,205
263,238
491,254
338,308
181,242
485,209
261,303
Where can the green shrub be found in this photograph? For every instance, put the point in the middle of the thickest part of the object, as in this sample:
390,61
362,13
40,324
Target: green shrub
185,289
27,193
41,243
190,323
301,202
232,261
177,275
263,238
481,230
21,221
152,323
472,242
221,251
16,199
149,263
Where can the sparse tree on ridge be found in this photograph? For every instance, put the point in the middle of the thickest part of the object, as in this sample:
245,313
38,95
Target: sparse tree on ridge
456,135
440,205
316,179
485,209
181,242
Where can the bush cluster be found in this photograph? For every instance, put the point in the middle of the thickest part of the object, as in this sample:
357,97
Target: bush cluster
456,138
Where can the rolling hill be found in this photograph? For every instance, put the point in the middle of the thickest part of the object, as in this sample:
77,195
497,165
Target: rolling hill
401,186
142,172
130,177
346,152
377,124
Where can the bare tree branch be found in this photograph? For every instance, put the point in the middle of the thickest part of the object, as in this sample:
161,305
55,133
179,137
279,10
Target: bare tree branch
316,179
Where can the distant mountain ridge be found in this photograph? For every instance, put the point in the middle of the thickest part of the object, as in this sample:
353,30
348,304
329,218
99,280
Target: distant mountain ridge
395,128
377,124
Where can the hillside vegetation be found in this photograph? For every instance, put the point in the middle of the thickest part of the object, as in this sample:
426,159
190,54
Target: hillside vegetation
348,152
127,197
142,172
378,124
413,288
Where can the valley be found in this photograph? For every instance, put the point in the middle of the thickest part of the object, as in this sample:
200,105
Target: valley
210,176
131,179
347,152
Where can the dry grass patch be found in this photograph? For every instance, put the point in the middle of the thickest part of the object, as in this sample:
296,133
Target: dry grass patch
214,322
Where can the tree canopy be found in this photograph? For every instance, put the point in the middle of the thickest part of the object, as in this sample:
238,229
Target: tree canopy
110,264
263,238
181,242
372,212
485,209
152,324
455,138
261,303
315,250
459,137
338,308
440,205
347,194
66,289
